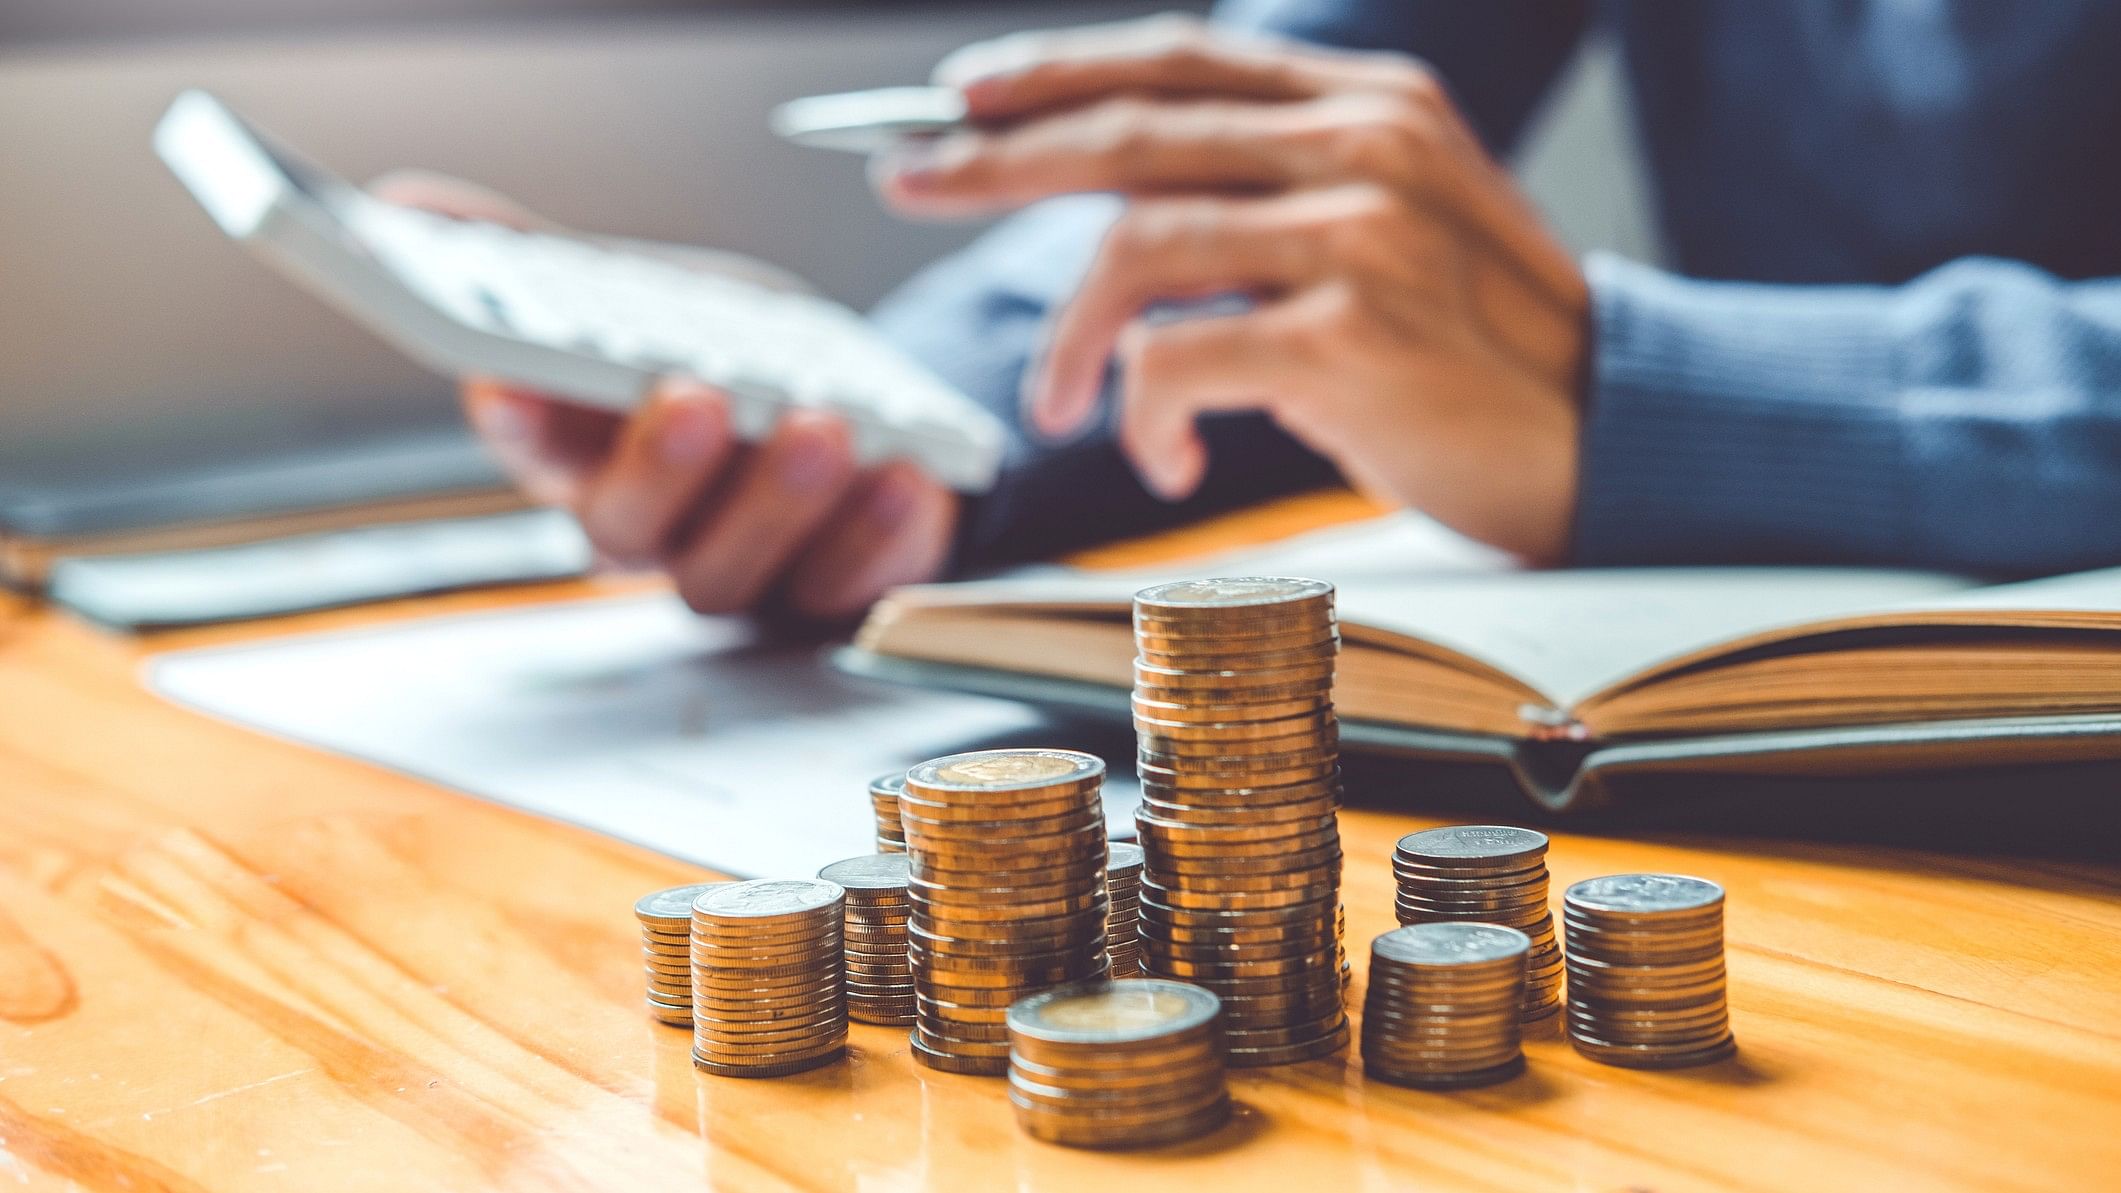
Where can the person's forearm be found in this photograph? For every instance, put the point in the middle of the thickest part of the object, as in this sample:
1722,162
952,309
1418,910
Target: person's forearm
1970,419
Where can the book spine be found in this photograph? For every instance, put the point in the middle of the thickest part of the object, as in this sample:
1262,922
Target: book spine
1544,723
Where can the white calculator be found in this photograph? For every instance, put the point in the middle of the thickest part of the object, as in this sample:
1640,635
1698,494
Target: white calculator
567,315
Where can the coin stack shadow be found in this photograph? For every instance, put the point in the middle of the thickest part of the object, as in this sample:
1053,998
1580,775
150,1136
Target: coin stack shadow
666,950
879,978
1442,1005
768,977
1646,972
883,801
1123,885
1488,874
1007,893
1239,761
1118,1064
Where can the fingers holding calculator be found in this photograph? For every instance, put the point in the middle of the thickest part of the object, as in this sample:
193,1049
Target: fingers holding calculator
735,520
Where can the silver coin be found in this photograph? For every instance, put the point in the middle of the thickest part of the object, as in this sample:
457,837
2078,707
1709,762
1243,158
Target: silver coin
1644,893
1231,592
1451,943
766,897
875,872
888,783
675,903
1114,1012
1486,842
1122,855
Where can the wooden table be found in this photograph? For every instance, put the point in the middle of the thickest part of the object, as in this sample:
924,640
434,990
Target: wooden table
231,963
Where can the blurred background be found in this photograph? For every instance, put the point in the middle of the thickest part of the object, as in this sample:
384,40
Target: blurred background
151,372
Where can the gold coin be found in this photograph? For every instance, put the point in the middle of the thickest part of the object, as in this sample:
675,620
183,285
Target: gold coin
1160,713
1173,643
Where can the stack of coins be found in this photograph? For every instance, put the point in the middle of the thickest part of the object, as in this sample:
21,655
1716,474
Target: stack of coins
1118,1064
1239,764
1123,885
767,977
1007,893
1646,976
666,948
1490,874
1442,1006
879,978
883,800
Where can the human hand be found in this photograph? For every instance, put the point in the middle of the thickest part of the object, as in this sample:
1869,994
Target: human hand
1412,319
669,485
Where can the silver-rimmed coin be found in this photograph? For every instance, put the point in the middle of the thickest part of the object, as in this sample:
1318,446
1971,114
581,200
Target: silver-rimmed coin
1644,894
1114,1012
1451,943
769,898
672,906
871,872
1006,770
1231,592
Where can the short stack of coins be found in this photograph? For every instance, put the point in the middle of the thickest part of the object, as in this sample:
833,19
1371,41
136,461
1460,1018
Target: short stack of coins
1489,874
768,977
1118,1064
1123,886
1443,1004
883,801
1646,973
1007,893
879,977
666,950
1239,758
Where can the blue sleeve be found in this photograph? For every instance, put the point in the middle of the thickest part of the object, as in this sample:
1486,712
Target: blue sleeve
1498,57
1969,419
976,317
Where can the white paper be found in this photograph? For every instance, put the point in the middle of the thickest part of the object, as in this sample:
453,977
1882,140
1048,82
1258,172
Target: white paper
630,717
312,571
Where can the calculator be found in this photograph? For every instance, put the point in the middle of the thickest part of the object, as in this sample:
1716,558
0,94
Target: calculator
566,314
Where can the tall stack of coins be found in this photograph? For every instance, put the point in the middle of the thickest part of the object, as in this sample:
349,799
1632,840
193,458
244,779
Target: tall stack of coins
1646,976
767,974
879,978
883,800
1490,874
666,950
1118,1064
1007,893
1239,764
1442,1007
1123,885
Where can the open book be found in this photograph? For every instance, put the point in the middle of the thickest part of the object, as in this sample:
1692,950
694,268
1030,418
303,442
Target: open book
1561,672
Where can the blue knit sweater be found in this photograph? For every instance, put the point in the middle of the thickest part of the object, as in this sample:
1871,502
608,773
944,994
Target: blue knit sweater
1893,336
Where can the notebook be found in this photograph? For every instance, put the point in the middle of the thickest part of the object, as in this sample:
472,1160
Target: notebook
1572,677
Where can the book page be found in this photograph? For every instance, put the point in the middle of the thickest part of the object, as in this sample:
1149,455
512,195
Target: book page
1570,634
2096,595
2083,601
1565,634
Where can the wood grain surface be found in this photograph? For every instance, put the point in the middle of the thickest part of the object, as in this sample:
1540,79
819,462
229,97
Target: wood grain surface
229,963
